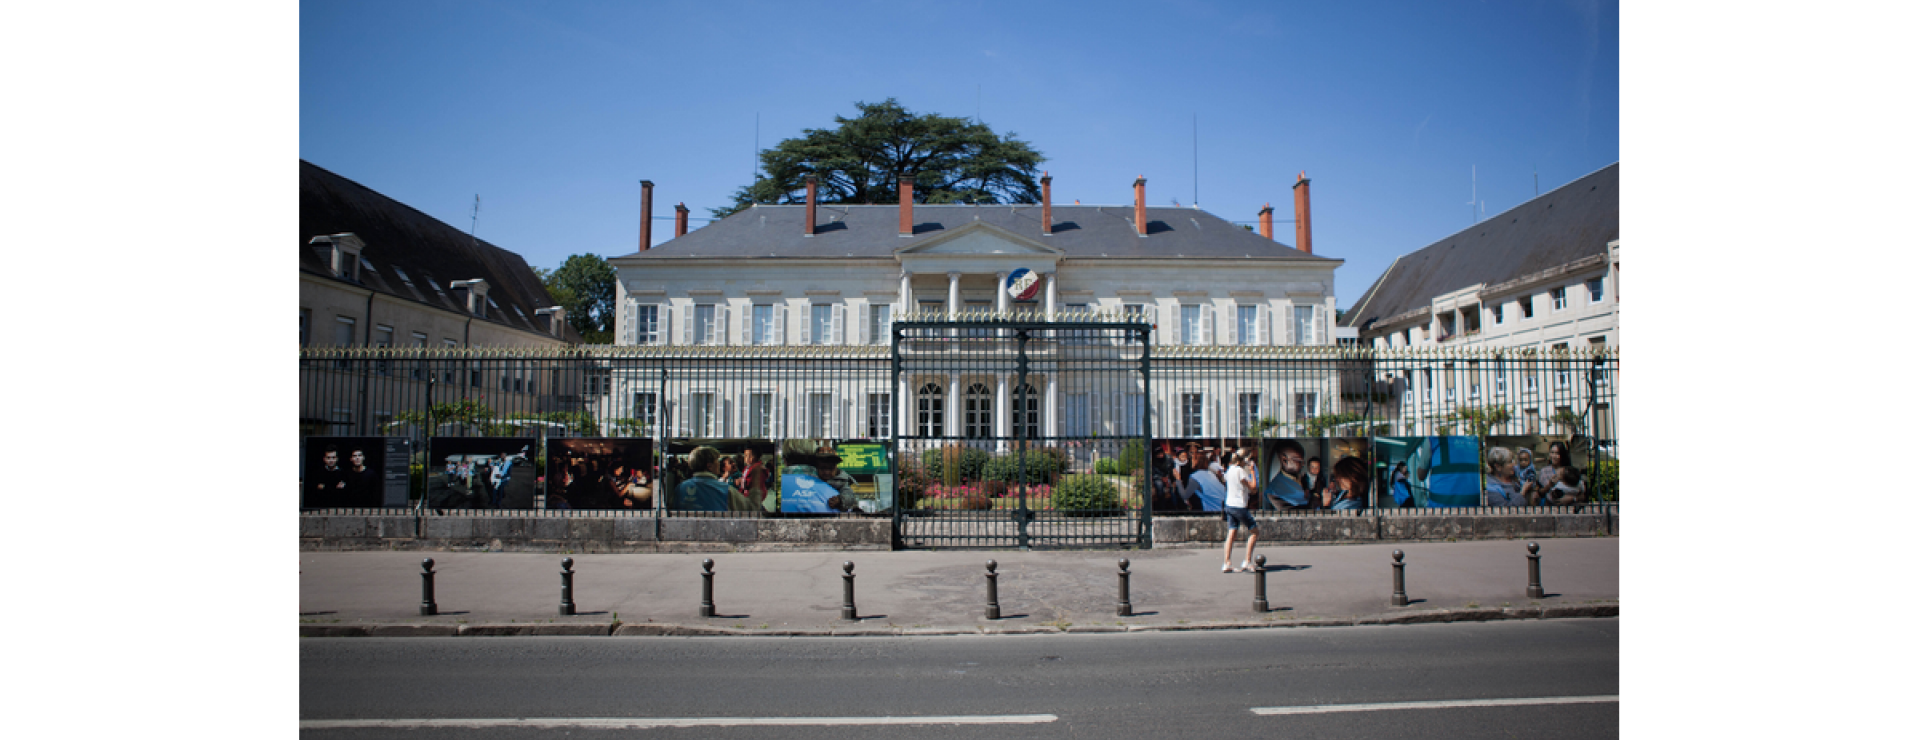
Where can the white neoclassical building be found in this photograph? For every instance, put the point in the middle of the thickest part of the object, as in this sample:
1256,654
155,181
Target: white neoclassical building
836,276
1526,289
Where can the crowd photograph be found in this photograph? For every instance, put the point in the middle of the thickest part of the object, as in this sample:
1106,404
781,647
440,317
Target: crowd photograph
600,473
721,475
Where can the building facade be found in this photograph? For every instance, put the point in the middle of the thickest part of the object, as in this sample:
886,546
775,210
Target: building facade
1526,296
836,276
377,273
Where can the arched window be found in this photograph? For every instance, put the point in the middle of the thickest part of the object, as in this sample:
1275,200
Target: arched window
931,419
1026,416
979,419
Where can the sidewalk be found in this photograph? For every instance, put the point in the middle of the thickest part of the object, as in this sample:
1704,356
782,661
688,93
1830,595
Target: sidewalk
944,592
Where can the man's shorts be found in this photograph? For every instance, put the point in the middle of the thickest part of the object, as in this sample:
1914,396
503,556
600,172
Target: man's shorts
1237,517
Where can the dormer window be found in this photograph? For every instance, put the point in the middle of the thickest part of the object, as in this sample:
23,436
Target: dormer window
343,254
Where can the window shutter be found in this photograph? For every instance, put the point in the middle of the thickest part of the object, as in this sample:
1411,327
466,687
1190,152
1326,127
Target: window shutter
1262,319
861,414
806,326
866,320
740,415
746,325
780,324
721,414
1209,415
686,325
627,326
1320,326
1286,325
726,317
681,411
779,416
839,413
1233,324
886,330
1206,324
839,325
1153,319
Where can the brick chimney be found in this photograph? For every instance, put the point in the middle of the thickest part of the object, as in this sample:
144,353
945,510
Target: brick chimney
1046,204
1302,216
646,215
1140,205
813,197
906,204
680,220
1266,220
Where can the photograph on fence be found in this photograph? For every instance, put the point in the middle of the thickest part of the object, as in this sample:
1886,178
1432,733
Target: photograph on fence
600,473
1190,474
956,476
1429,472
720,475
482,472
1537,470
823,476
1335,473
354,472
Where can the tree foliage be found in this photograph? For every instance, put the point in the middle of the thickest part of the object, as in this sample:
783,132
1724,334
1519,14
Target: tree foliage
584,286
860,160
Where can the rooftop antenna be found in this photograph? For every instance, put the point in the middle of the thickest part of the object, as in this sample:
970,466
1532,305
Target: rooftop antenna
1473,215
474,226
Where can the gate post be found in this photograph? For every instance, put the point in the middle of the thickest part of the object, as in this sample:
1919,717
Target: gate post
1146,435
1020,363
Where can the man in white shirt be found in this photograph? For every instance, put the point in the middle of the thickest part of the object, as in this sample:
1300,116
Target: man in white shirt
1239,492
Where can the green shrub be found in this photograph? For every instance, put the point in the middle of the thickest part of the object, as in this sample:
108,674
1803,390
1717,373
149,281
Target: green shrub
1106,466
940,464
1604,482
1043,466
1085,493
1133,457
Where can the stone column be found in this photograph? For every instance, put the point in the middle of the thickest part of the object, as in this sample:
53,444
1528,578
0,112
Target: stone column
1000,292
956,419
1051,276
1053,408
1002,426
953,292
906,295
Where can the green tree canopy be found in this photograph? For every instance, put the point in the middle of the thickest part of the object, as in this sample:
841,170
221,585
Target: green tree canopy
860,161
584,286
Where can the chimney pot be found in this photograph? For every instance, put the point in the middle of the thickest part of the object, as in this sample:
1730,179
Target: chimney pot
680,220
1140,204
646,215
1266,220
1302,215
813,193
1046,204
906,204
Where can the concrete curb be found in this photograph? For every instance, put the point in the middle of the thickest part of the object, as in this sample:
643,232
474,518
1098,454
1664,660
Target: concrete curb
617,629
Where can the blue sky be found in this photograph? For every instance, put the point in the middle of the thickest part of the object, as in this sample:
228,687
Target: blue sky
552,112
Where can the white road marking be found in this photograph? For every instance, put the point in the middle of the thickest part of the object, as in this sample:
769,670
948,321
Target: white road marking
1331,708
650,722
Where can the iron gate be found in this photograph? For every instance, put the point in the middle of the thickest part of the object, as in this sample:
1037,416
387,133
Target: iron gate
1017,432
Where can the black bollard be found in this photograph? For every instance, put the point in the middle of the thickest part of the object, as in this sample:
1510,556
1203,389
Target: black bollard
706,588
1399,579
846,609
993,591
427,607
1125,607
566,587
1534,591
1259,584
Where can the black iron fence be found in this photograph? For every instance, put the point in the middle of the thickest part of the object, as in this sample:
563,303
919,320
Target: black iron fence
1089,396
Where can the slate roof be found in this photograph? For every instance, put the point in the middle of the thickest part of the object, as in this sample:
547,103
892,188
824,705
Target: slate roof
1570,223
874,231
411,252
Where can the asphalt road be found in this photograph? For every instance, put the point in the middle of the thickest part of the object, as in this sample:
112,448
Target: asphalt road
1122,685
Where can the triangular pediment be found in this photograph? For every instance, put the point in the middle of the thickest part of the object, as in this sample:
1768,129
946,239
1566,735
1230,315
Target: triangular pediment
977,238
